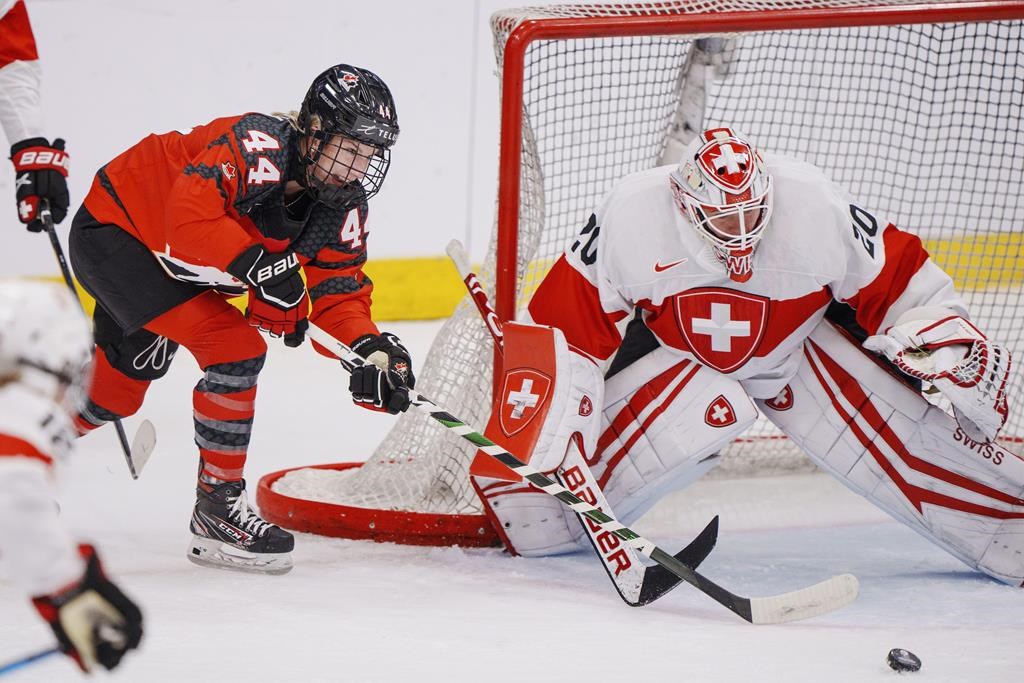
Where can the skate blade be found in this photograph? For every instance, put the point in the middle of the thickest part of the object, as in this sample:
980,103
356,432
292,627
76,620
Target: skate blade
207,552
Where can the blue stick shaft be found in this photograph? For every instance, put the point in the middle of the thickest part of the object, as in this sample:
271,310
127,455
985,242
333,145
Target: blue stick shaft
24,661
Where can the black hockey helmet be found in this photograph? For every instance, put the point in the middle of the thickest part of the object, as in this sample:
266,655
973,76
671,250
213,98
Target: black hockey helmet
356,104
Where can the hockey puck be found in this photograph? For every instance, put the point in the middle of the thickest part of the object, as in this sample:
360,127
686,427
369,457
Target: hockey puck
903,660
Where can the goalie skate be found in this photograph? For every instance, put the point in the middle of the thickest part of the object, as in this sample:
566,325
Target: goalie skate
229,535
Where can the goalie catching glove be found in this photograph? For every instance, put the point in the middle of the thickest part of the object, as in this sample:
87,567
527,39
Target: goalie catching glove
936,345
383,383
92,619
278,303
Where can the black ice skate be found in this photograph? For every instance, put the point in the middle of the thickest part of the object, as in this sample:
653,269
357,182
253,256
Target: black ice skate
227,534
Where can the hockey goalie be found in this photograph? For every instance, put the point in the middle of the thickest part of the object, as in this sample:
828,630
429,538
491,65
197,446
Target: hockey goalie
744,283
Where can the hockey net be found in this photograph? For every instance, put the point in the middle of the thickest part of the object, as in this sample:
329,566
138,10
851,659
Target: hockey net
917,114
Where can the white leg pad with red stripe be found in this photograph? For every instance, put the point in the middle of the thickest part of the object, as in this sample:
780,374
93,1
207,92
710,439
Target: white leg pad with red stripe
664,421
886,442
662,425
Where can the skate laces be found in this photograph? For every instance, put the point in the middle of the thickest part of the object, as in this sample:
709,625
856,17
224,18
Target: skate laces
248,519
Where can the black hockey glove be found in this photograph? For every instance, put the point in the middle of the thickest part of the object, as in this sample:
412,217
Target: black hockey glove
92,619
41,172
278,303
383,383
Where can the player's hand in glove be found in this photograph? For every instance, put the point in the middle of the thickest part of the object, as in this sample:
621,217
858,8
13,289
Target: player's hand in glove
41,172
278,303
93,620
383,383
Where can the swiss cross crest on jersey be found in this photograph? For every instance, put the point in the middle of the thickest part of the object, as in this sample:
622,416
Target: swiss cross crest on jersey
722,327
726,161
523,394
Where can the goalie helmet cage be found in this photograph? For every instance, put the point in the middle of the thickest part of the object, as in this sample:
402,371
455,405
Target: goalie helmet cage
915,108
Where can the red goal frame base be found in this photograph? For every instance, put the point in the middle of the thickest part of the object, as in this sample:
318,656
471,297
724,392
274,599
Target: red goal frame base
382,526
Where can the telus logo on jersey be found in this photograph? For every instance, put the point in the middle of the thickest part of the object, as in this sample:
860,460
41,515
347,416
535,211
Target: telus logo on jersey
722,327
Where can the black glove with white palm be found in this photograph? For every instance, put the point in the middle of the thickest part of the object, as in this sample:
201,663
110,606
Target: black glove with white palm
383,383
939,346
93,620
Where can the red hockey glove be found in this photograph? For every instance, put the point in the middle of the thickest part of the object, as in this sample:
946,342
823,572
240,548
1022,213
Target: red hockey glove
40,173
92,619
278,303
383,383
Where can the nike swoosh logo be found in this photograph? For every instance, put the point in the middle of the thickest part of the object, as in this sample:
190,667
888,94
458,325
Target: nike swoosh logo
658,268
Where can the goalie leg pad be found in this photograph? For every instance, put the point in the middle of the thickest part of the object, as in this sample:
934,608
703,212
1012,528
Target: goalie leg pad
549,395
884,441
664,421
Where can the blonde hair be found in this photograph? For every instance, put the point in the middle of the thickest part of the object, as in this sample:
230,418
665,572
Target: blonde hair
292,118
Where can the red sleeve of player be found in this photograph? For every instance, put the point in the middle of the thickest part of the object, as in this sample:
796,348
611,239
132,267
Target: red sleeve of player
17,44
904,256
566,300
338,288
198,221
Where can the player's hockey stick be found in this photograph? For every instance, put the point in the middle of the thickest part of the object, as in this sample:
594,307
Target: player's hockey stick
137,454
636,588
820,598
26,660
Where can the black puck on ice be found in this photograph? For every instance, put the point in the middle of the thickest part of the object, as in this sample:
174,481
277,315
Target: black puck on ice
903,660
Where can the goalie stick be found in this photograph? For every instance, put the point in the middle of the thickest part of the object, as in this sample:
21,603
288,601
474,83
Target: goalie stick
637,584
137,454
820,598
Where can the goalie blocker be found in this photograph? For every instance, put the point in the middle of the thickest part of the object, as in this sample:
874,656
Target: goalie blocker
657,425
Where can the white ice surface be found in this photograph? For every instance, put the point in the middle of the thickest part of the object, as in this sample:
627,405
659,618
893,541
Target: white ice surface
358,611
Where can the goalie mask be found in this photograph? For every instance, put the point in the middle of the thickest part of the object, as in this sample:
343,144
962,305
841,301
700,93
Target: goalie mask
45,341
349,123
722,186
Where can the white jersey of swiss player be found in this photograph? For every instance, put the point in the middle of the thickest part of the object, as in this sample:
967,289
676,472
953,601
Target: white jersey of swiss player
21,114
640,251
36,550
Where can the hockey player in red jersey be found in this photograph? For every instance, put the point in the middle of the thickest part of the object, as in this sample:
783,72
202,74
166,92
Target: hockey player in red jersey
181,221
41,168
44,354
727,264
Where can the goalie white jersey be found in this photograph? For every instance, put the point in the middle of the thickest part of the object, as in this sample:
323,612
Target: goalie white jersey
639,251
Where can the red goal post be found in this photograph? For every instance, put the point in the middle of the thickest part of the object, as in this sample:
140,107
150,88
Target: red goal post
592,92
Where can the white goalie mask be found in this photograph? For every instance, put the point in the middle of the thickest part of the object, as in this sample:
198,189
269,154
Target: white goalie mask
723,188
45,341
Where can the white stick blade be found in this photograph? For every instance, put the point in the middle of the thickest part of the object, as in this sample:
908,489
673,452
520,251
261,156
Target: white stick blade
457,253
813,601
143,445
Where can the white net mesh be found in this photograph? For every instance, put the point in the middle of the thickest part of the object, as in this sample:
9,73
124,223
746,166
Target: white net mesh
922,122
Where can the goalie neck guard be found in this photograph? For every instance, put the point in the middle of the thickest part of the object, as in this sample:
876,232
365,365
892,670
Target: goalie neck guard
723,187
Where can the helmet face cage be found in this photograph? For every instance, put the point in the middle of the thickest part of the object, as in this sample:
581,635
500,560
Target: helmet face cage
724,189
349,124
340,171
